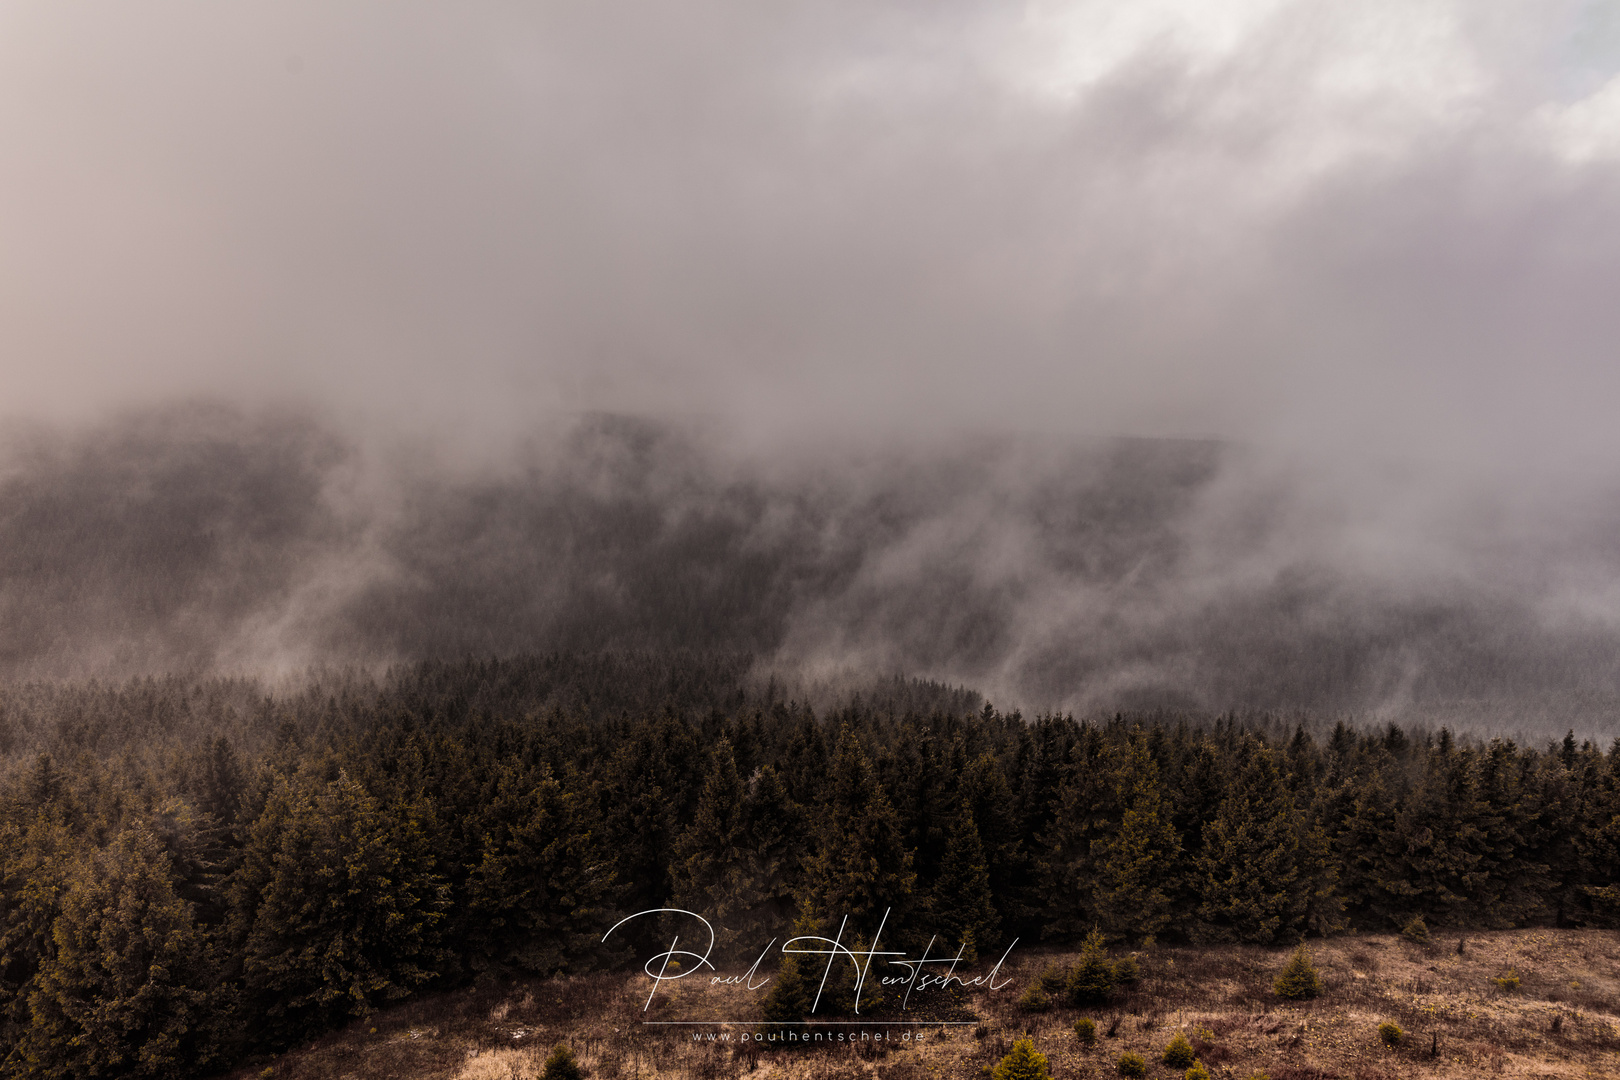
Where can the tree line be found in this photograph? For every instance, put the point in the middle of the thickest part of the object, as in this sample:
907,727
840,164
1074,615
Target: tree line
193,872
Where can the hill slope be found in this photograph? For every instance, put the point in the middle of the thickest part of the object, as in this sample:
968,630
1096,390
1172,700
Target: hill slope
1562,1021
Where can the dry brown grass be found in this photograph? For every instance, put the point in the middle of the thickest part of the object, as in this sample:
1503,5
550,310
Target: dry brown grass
1563,1021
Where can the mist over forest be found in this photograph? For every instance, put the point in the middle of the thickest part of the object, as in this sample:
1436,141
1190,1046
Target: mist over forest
1069,575
610,327
1064,471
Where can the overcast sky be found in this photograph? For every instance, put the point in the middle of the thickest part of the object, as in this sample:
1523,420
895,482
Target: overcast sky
1345,225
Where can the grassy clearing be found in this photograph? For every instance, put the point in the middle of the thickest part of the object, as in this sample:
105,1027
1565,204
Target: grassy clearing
1563,1020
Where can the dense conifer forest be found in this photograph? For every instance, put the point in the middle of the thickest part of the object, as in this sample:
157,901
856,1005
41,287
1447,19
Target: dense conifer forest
199,870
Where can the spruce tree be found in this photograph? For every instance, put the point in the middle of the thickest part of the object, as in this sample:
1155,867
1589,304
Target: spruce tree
775,837
963,912
1528,862
221,782
645,798
1178,1053
127,992
843,978
1264,869
921,775
538,893
861,868
1134,859
994,806
1080,825
1023,1062
1298,980
1091,980
1598,841
561,1065
1374,862
717,869
337,907
788,1000
203,852
36,860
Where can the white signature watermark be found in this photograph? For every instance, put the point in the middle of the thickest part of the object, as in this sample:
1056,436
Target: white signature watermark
667,966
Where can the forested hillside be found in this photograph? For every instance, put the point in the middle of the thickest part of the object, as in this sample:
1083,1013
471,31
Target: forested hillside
200,870
1082,574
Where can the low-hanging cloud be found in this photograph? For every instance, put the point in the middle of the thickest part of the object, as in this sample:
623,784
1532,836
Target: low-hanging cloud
1090,576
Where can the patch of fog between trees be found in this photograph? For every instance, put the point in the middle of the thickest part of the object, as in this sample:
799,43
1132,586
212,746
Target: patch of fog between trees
1085,576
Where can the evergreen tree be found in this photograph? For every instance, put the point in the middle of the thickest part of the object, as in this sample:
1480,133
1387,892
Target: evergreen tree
775,836
788,1000
1079,828
1598,840
1298,980
963,912
221,782
843,976
1195,785
1135,858
561,1065
337,906
203,852
44,788
1264,868
35,862
127,992
921,777
538,892
1529,865
1178,1053
1023,1062
646,799
991,800
861,868
1091,980
721,869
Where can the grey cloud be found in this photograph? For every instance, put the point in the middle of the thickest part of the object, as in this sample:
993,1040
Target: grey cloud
809,216
1088,576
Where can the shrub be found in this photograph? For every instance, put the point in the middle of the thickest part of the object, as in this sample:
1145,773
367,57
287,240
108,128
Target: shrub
1131,1065
1053,978
1034,999
1417,930
1299,979
1091,980
1085,1029
1179,1054
1126,971
1508,981
1390,1032
1197,1072
1023,1063
561,1065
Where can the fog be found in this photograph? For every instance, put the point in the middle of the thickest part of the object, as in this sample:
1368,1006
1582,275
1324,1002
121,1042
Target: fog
1081,575
1242,354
